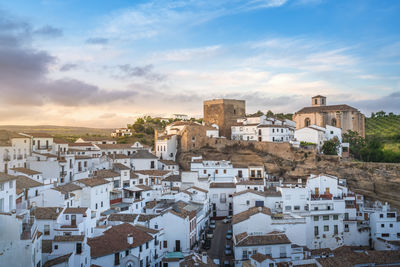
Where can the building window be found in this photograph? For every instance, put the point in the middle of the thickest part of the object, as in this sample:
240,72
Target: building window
391,225
204,172
385,235
244,255
46,229
336,217
382,225
296,207
224,171
316,233
326,228
307,122
326,218
336,229
67,217
316,218
333,123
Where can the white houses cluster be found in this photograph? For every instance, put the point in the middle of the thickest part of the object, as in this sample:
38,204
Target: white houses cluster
95,202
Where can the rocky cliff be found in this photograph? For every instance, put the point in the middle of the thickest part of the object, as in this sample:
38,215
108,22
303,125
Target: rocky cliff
374,180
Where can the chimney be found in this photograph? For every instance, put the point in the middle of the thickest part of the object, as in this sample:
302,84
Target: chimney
259,209
130,239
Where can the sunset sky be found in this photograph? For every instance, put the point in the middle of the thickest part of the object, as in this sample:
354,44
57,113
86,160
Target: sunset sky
103,63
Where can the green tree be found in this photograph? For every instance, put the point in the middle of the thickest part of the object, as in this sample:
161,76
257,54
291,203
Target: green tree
269,113
330,147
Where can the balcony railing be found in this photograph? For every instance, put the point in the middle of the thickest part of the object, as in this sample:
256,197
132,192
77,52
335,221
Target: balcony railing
63,174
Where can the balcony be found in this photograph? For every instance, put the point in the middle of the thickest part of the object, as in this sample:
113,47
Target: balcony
27,228
6,158
63,174
325,196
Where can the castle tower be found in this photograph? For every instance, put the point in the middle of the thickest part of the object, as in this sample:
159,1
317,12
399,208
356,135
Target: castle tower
318,101
224,113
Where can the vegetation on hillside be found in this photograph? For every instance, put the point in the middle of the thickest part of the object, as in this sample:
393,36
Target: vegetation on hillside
270,114
385,126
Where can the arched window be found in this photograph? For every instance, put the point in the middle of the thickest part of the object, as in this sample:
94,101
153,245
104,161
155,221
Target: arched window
307,122
333,122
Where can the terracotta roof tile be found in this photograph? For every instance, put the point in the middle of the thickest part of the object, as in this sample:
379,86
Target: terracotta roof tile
58,260
115,240
237,218
106,174
69,238
122,217
260,240
46,213
153,172
331,108
222,185
75,210
143,154
26,171
92,182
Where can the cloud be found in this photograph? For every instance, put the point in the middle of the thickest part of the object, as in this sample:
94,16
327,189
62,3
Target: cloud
188,54
388,103
97,40
48,31
127,71
158,17
68,67
24,74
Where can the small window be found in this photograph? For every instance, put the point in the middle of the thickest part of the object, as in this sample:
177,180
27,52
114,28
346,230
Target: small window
336,217
326,217
326,228
316,218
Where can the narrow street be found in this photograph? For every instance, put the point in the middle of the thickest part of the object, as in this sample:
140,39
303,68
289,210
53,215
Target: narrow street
218,243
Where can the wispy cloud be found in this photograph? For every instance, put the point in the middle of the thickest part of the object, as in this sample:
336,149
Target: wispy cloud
159,17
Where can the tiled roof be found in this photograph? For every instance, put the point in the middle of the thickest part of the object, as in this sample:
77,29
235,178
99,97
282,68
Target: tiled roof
168,162
67,188
195,260
106,174
143,154
4,177
153,172
24,182
122,217
133,175
26,171
146,217
39,135
222,185
258,257
81,157
75,210
69,238
92,182
237,218
144,187
118,156
199,189
57,261
147,230
173,178
331,108
46,213
260,240
115,240
119,166
59,141
80,144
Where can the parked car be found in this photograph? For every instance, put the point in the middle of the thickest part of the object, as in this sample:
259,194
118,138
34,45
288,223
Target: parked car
206,244
229,235
228,250
227,264
212,224
228,219
209,234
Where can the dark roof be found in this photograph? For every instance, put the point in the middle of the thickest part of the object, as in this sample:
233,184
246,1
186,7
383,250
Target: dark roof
26,171
75,210
330,108
119,166
244,240
92,182
318,96
24,182
146,217
237,218
69,238
6,136
115,146
222,185
168,162
46,213
4,177
172,178
106,174
122,217
258,257
266,193
67,188
115,240
143,154
39,135
250,183
57,260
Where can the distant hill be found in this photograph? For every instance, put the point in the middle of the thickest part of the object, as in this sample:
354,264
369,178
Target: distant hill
57,130
384,126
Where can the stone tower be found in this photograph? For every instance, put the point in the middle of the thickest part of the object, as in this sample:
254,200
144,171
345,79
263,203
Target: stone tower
318,101
224,113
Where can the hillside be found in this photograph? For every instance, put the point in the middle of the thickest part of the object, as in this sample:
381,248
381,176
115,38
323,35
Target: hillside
387,126
57,130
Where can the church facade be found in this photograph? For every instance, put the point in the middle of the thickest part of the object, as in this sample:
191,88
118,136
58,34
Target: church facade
341,116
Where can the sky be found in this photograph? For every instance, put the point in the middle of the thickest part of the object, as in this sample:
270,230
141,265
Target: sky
103,63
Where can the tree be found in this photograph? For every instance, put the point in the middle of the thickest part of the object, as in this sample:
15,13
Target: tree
330,147
269,113
258,114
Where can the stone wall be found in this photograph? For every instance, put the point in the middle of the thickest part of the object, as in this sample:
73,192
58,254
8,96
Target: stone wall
223,112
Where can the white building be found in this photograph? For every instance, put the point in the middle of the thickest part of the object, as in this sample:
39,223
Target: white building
14,149
121,132
166,147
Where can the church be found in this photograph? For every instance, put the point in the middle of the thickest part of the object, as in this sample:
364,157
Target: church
341,116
